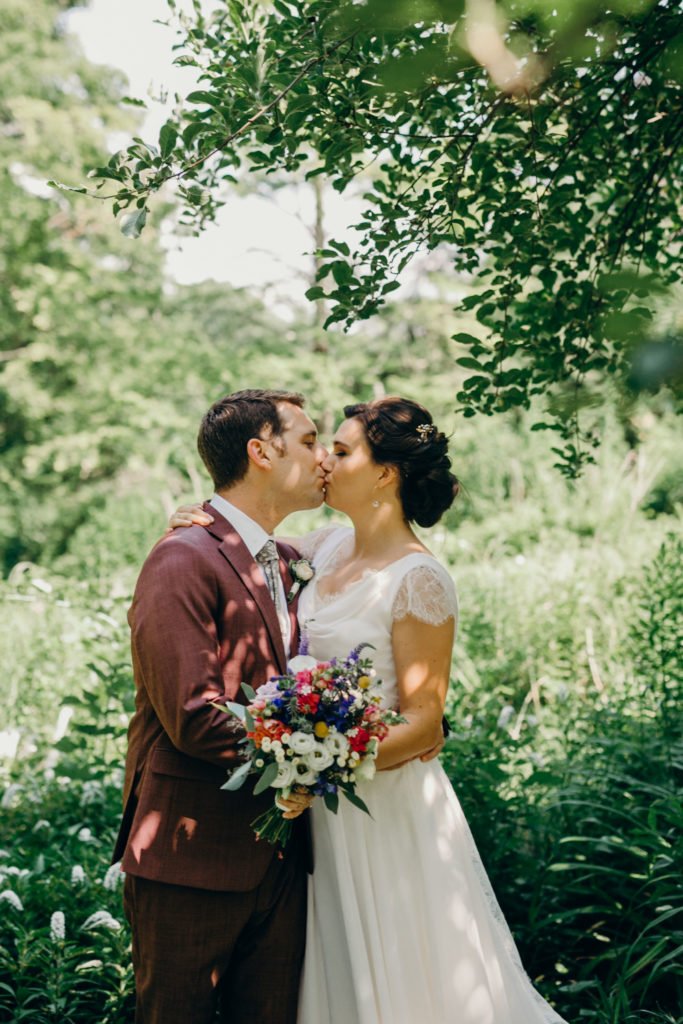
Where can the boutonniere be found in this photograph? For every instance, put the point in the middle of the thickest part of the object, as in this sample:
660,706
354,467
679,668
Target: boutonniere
302,572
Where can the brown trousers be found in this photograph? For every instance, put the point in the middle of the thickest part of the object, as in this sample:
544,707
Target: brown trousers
197,952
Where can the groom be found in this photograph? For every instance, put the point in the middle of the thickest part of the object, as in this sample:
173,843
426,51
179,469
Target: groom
218,919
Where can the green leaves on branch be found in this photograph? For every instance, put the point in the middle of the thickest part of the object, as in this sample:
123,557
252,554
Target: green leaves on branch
546,161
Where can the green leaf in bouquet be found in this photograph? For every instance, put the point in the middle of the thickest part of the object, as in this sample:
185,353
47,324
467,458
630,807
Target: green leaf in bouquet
248,691
267,779
248,720
231,708
238,777
356,800
331,801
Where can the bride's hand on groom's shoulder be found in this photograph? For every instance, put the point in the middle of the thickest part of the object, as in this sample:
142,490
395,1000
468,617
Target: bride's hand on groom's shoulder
189,515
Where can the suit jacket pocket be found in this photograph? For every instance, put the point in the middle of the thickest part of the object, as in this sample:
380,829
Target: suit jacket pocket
168,761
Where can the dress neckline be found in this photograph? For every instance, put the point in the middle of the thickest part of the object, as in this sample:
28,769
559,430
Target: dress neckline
332,563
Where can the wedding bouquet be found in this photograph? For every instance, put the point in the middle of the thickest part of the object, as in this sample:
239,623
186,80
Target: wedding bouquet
315,730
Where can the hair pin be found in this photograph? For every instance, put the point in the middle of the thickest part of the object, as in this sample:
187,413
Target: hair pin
426,431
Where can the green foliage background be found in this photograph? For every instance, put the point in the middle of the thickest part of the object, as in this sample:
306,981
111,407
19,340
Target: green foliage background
565,698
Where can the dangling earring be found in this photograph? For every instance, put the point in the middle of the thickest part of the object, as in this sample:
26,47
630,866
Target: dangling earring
375,503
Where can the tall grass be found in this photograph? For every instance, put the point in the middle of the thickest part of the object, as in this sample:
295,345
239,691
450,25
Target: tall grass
567,748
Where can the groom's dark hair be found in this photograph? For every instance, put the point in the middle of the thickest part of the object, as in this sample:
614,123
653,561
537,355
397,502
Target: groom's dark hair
231,423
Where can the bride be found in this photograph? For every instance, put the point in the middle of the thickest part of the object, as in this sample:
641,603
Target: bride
403,925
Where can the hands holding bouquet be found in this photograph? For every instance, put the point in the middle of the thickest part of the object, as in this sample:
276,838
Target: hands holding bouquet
312,732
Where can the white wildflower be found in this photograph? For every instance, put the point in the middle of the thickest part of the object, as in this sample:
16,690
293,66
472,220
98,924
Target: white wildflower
17,872
506,713
9,744
9,795
91,792
57,926
85,836
266,744
101,919
40,825
89,965
9,896
78,875
112,877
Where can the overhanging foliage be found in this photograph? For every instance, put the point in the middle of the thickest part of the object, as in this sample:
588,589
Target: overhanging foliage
549,166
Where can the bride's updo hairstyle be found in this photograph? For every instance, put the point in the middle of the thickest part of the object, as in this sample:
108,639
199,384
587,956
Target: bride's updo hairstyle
401,433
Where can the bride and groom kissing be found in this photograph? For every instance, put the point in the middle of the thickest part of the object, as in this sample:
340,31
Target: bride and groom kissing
387,919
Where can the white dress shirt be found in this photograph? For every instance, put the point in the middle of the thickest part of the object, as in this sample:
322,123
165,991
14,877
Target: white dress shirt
254,537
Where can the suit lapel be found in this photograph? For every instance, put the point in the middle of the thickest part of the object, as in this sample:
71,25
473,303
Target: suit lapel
235,551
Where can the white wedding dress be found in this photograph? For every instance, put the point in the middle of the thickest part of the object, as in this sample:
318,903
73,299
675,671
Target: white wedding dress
403,926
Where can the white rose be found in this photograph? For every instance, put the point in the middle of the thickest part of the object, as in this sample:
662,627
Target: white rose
302,742
336,743
365,770
300,663
304,774
303,570
319,759
286,774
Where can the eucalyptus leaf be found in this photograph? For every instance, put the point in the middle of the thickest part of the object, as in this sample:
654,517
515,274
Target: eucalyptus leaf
238,777
267,778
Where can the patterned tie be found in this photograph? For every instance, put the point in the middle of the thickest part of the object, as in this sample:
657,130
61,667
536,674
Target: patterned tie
269,560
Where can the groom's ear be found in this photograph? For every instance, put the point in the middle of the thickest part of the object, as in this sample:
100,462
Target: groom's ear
257,451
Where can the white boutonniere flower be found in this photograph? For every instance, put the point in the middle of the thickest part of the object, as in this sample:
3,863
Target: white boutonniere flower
303,572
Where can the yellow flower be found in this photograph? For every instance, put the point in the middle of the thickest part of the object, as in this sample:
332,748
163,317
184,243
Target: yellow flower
364,682
321,730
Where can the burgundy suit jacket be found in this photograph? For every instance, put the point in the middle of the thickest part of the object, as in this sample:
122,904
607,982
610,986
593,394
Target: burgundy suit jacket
202,622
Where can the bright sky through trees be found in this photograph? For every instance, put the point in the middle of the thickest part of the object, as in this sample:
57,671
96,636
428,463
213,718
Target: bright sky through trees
259,240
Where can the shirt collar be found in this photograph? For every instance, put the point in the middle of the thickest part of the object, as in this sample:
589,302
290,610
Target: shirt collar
253,535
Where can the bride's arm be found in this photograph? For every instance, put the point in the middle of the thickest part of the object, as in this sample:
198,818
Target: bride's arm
195,515
422,655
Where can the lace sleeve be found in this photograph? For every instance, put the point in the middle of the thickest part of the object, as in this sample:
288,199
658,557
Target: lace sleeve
309,544
427,593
